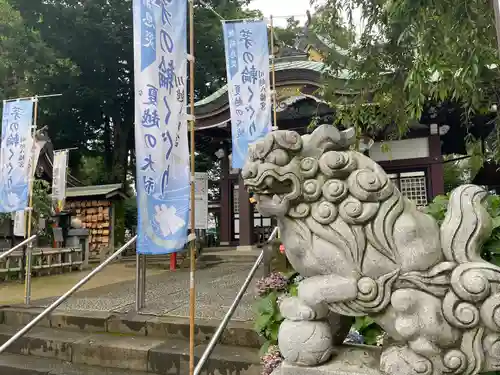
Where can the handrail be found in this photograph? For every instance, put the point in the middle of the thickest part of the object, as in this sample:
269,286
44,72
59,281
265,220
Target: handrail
17,247
65,296
213,342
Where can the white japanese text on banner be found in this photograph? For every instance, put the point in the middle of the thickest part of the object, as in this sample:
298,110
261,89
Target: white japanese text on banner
16,135
162,152
247,64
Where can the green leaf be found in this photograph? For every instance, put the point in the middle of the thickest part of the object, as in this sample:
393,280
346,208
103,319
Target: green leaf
274,330
277,316
372,334
267,305
493,246
264,348
262,322
496,222
362,323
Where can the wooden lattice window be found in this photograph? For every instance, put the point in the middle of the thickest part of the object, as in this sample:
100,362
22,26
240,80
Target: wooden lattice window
413,185
236,200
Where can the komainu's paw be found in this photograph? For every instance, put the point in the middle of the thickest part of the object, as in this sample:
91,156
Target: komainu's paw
293,308
401,360
305,343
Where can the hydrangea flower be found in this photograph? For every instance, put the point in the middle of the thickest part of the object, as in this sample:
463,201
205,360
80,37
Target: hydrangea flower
281,297
271,360
354,337
275,281
381,338
297,279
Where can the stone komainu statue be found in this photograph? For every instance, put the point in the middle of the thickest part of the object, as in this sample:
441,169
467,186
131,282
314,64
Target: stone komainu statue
365,250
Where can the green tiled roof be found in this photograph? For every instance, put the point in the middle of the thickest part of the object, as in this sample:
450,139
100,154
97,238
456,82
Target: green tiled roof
280,66
90,191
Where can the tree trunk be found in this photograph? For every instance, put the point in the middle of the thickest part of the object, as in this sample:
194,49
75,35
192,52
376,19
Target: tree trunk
108,147
120,151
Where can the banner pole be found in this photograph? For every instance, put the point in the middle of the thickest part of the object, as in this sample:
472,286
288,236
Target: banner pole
275,93
27,278
273,76
192,237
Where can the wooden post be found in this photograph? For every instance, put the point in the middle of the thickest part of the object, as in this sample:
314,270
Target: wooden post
192,237
31,178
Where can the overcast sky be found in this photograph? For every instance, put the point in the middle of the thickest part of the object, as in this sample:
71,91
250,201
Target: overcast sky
281,8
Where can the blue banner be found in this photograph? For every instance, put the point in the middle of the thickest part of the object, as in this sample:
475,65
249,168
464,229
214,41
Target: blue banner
16,144
247,64
162,152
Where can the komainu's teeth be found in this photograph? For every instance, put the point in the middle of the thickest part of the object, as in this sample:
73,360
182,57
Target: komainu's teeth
276,199
269,181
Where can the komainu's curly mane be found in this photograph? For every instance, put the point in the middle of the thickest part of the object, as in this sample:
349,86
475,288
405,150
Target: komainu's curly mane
366,250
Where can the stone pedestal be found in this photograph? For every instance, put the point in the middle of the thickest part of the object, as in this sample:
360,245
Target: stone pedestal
350,360
80,238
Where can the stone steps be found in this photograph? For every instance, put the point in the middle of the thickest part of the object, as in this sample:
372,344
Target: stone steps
140,343
237,333
232,256
16,364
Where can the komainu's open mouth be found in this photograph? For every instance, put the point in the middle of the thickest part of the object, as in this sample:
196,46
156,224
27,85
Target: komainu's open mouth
274,192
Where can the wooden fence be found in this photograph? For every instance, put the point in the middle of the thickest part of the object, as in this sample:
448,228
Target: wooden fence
46,261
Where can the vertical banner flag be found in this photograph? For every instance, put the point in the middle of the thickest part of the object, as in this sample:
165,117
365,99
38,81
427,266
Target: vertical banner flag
29,158
247,64
161,142
59,175
16,134
201,201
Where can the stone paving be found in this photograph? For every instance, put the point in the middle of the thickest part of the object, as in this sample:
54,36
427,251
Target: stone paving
48,286
167,293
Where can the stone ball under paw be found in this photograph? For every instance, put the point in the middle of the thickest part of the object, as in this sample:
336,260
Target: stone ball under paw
305,343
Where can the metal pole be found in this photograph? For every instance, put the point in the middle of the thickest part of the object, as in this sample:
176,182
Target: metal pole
27,282
17,247
252,19
65,296
137,282
143,280
67,149
228,316
215,338
29,260
29,97
192,237
268,258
